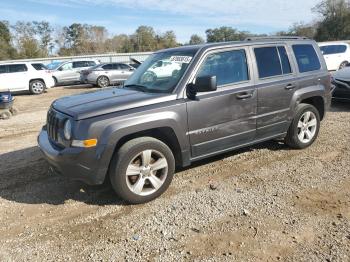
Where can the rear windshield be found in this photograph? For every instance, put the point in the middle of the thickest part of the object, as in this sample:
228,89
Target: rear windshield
333,49
307,58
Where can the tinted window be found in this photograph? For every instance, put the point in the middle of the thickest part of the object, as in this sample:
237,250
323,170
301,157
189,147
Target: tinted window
108,67
268,61
124,67
228,67
3,69
39,67
79,64
306,57
333,49
90,63
17,68
284,60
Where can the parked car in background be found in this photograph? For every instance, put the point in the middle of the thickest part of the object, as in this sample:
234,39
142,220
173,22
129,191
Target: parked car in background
336,54
69,72
104,75
225,96
24,76
341,81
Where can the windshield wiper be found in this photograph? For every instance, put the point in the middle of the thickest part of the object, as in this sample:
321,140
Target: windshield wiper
137,87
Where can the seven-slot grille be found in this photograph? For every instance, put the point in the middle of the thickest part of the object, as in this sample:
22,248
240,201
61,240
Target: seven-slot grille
53,125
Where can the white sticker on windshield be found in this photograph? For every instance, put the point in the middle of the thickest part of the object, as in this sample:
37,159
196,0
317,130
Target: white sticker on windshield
181,59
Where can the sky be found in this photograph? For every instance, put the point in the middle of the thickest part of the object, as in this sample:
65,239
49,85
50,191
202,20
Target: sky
185,17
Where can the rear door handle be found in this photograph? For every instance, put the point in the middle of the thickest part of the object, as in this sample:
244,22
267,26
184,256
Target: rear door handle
244,95
290,87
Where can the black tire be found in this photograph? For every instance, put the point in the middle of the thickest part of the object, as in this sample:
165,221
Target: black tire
344,64
103,81
37,87
292,139
129,152
55,81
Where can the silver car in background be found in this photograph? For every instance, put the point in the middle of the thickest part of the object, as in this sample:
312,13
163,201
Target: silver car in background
69,72
104,75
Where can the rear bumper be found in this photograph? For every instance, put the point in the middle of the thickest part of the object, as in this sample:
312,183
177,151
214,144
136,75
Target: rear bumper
75,163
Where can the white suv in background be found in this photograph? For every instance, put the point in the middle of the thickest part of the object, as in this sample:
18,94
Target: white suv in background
336,54
24,76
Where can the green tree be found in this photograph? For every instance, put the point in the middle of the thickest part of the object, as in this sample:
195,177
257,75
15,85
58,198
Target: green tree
224,34
335,20
144,39
26,42
167,40
196,40
44,31
7,51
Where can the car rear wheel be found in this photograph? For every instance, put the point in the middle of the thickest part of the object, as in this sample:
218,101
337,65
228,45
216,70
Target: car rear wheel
304,128
103,81
142,170
36,87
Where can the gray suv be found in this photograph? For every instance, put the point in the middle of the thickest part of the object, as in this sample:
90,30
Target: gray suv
213,99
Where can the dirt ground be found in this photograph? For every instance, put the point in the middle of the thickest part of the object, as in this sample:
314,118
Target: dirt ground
270,203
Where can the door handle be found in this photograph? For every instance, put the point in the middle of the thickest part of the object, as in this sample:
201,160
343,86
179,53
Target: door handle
290,87
244,95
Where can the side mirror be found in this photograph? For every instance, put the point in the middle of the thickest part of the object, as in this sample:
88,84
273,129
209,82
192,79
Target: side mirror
202,84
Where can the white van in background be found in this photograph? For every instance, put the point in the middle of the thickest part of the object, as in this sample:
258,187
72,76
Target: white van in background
336,54
24,76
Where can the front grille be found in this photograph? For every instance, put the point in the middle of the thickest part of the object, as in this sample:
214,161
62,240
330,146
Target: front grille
53,123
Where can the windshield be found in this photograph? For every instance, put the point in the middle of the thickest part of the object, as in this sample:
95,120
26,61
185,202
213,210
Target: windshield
161,72
53,65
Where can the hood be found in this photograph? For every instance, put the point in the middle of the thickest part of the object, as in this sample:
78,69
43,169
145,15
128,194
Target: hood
107,101
342,74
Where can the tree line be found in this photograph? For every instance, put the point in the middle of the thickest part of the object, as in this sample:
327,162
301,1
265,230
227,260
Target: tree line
40,39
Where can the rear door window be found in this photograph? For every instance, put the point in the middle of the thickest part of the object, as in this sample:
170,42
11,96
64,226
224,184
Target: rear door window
229,67
307,58
272,61
124,67
17,68
108,67
79,64
286,69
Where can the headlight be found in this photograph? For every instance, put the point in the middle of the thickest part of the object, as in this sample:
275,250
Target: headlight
67,129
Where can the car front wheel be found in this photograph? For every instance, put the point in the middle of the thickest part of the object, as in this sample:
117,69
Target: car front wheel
304,128
142,170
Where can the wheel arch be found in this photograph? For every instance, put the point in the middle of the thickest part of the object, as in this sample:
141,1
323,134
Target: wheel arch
318,102
165,134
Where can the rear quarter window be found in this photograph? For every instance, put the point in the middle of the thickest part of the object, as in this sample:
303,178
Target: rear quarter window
17,68
307,58
3,69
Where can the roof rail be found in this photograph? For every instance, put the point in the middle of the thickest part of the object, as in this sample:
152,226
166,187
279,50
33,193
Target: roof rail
276,38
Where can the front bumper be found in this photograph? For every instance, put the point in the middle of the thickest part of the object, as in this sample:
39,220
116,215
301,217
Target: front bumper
75,163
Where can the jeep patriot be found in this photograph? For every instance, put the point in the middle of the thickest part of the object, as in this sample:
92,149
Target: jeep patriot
214,98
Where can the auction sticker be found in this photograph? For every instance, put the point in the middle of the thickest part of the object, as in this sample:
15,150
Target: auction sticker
181,59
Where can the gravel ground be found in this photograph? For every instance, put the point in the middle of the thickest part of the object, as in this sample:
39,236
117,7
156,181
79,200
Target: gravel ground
263,203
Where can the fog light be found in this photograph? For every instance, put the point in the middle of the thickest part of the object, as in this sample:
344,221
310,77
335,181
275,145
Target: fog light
84,143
